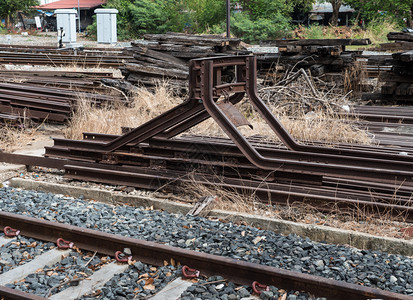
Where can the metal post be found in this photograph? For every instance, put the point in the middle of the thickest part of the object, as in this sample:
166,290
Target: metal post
78,13
228,18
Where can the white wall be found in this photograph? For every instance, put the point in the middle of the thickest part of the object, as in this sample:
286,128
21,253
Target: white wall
47,1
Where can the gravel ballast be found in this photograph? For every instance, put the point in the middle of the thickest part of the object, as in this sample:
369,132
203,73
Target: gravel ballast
370,268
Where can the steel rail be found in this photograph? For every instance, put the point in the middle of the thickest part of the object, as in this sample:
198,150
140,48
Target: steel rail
238,271
362,171
324,198
221,155
177,119
245,64
13,294
231,167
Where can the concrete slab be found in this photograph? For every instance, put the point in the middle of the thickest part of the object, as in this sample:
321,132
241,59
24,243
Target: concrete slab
314,232
4,240
48,258
97,280
8,171
173,290
32,152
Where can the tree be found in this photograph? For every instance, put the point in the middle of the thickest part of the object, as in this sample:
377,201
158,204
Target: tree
305,5
400,11
137,17
9,7
206,13
262,19
336,4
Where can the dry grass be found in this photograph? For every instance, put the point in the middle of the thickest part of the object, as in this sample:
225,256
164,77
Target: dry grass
144,106
355,219
354,77
13,138
306,116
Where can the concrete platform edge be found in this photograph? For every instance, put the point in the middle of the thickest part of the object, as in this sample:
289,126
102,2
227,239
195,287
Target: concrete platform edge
314,232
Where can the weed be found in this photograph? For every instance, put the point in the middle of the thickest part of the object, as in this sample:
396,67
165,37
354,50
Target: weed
109,119
383,223
376,31
15,137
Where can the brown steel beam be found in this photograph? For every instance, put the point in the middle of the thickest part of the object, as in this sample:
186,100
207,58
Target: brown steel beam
12,294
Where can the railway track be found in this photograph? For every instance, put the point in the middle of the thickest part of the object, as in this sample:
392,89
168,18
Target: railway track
376,180
384,114
20,101
68,237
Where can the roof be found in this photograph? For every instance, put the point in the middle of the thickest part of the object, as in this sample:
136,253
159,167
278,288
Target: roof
72,4
328,8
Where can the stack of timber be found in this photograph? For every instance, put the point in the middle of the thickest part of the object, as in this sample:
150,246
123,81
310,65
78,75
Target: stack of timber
402,41
398,82
166,56
324,57
400,36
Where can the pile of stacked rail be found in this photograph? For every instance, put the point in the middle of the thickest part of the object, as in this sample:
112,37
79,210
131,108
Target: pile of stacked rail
20,102
166,56
51,94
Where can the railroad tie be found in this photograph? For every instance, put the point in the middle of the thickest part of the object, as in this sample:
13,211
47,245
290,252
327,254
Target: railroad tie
97,280
48,258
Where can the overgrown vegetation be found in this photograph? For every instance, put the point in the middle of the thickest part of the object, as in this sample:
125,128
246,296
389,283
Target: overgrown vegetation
375,30
144,106
13,138
260,19
396,11
355,219
306,116
9,8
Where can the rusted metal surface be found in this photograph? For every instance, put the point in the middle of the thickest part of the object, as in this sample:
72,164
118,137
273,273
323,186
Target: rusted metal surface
151,155
12,294
152,253
233,114
323,198
44,103
206,86
327,194
289,161
30,160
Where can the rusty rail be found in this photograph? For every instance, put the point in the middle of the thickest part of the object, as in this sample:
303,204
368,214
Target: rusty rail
150,155
237,271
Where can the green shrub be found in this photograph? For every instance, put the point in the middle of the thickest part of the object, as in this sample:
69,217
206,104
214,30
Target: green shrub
252,31
147,16
377,29
314,32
